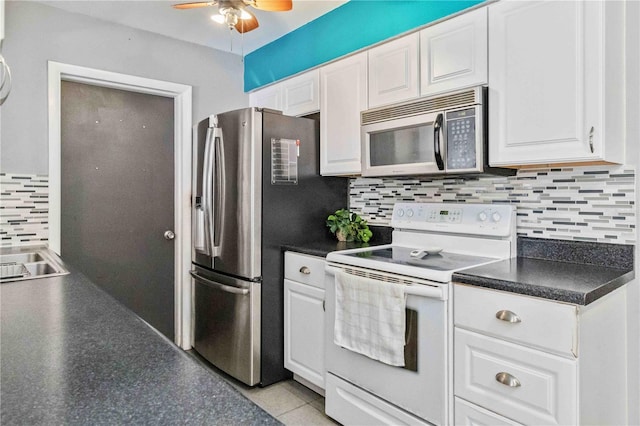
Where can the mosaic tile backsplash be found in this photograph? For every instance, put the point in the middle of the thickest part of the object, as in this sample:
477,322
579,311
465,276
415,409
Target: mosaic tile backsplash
595,203
24,209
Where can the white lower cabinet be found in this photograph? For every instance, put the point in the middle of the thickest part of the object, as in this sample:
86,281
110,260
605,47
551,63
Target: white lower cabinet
535,361
304,318
523,384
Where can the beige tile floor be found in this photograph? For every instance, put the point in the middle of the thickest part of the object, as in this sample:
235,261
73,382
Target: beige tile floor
289,401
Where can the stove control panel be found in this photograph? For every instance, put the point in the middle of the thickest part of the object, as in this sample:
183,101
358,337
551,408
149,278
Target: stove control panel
477,219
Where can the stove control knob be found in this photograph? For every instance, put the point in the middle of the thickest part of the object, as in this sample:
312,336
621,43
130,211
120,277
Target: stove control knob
409,213
400,213
482,216
496,217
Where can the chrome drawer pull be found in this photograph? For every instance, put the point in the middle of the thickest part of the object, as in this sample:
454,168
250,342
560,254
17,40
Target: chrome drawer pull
507,316
305,270
508,380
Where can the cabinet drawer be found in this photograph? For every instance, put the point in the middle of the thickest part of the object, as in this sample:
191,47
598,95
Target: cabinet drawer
468,414
304,269
543,324
543,388
351,405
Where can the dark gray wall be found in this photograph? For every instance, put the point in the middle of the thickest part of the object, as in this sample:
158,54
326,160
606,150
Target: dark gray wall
36,33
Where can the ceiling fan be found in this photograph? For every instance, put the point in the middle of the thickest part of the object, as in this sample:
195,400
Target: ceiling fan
234,13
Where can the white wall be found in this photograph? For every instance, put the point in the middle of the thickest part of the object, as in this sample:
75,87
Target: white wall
36,33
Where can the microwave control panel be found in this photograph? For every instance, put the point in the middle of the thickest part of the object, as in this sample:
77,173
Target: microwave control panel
461,139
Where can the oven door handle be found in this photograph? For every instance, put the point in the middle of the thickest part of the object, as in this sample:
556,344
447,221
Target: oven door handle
411,289
425,291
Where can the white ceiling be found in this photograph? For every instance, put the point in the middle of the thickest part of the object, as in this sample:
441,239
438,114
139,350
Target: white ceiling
195,25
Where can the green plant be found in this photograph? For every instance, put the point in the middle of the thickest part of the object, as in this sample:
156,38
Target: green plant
348,226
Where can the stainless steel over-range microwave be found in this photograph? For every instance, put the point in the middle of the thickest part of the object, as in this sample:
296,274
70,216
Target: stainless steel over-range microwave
446,134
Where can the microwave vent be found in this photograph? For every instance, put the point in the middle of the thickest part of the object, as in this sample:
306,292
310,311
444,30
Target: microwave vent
459,99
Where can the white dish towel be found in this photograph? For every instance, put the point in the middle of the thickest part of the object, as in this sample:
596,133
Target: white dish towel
370,317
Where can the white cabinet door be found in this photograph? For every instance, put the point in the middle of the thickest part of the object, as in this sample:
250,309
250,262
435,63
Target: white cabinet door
526,385
269,97
301,94
546,87
393,71
343,88
304,331
295,96
453,53
535,322
1,20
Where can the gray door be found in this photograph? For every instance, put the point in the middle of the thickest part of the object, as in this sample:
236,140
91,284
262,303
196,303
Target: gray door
118,195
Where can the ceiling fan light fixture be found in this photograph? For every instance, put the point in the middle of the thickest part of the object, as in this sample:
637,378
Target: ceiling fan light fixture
245,15
218,18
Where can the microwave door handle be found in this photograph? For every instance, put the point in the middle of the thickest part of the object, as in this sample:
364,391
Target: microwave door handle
438,135
219,191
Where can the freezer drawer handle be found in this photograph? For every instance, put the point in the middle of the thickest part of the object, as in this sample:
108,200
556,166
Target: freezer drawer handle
508,380
305,270
508,316
222,287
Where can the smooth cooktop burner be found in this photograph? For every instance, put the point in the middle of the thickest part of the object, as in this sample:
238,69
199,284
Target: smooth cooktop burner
443,261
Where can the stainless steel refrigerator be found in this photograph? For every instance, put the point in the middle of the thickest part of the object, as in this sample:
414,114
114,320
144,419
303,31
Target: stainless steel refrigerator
256,187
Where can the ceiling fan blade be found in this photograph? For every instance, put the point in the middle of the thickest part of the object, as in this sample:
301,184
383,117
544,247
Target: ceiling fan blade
194,5
246,25
273,5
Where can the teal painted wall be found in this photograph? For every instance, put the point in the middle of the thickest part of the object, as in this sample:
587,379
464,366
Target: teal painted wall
350,27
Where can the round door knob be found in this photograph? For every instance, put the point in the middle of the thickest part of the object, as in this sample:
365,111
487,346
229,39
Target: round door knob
169,235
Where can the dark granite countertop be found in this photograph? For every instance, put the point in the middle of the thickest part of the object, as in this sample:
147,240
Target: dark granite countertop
73,355
381,235
571,272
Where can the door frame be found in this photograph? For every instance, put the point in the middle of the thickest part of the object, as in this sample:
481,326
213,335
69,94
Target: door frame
182,95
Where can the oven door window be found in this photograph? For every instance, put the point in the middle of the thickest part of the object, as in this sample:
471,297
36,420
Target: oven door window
402,146
411,341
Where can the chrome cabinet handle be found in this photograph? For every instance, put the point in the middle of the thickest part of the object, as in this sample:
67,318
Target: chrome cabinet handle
591,138
508,316
508,380
305,270
169,235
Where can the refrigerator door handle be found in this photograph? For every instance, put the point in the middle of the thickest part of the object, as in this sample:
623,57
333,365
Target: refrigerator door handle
218,191
221,287
207,174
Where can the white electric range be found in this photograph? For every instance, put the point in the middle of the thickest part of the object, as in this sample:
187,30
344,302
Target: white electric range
430,242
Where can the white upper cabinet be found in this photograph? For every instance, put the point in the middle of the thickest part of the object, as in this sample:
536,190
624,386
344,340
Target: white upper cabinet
295,96
268,97
1,20
343,95
393,71
453,53
301,94
556,82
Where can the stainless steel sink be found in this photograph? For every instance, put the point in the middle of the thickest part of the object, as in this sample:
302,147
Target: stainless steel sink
25,263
